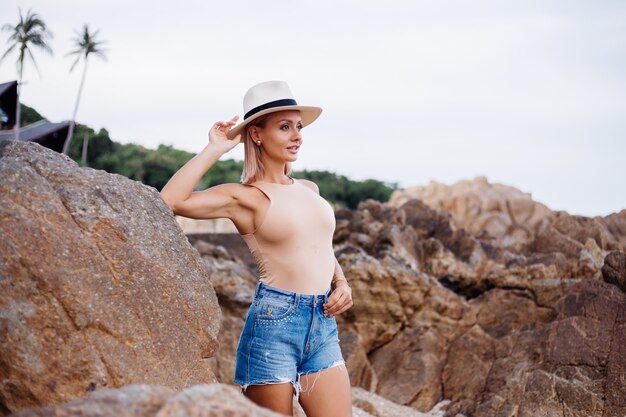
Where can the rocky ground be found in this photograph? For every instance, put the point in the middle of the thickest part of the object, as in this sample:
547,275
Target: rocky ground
106,304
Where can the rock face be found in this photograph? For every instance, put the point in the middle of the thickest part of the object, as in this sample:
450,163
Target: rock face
207,400
378,406
98,285
510,217
444,314
504,212
614,269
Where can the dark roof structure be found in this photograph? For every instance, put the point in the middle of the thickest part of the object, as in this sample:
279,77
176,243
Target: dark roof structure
8,97
48,134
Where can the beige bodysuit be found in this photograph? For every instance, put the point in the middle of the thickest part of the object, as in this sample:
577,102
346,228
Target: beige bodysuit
293,244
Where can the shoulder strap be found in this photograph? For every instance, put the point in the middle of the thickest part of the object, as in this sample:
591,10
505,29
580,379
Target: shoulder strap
261,188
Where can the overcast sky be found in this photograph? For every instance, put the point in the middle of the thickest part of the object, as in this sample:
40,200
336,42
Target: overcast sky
527,93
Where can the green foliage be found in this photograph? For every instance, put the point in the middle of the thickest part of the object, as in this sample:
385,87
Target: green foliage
155,167
29,115
345,192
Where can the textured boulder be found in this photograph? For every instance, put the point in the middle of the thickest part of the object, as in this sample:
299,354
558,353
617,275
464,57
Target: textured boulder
511,217
503,211
614,269
207,400
484,332
130,401
378,406
98,285
615,225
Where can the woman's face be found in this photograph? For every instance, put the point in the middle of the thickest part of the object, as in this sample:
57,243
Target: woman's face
280,137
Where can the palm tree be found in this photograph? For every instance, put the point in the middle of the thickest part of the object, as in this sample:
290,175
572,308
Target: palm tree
86,44
30,30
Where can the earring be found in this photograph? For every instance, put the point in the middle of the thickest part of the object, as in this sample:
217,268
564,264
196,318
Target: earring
258,143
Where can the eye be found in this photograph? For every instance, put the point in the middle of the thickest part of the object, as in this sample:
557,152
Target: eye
284,127
299,127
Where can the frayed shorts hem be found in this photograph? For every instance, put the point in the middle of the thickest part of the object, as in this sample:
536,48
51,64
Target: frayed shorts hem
297,388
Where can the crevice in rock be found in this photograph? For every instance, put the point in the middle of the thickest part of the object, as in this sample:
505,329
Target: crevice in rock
65,310
608,361
101,328
467,291
559,398
111,376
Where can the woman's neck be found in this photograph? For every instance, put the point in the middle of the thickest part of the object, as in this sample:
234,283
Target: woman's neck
274,172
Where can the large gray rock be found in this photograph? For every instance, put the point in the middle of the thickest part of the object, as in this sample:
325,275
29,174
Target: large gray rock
205,400
98,285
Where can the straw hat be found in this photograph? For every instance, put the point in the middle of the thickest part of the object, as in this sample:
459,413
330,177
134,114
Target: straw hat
270,97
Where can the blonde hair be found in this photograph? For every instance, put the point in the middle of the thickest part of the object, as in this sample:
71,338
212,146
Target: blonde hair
253,168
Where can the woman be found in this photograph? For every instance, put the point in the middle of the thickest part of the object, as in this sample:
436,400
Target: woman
289,343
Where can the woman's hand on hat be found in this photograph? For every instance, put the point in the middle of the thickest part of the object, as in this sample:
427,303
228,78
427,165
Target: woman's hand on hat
218,138
339,300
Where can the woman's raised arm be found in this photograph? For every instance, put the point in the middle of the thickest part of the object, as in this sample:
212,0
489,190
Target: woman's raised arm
178,193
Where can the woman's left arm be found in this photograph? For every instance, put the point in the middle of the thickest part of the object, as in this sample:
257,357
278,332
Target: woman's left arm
341,297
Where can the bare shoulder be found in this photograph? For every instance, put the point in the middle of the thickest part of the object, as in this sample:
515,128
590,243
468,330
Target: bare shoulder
313,186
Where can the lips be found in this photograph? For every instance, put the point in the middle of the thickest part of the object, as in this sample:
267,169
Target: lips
293,148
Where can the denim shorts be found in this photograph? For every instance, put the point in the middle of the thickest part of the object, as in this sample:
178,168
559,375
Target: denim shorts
286,335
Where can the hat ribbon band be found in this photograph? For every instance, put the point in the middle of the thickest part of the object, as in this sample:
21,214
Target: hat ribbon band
271,104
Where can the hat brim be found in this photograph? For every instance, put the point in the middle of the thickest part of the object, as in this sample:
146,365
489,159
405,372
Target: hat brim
308,115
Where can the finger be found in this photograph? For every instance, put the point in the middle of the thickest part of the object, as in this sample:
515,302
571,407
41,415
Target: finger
346,304
332,299
338,307
344,308
234,119
332,308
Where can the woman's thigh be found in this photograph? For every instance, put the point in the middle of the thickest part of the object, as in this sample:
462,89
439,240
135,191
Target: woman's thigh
276,397
326,393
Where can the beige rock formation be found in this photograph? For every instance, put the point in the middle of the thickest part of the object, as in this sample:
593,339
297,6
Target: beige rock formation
504,212
98,285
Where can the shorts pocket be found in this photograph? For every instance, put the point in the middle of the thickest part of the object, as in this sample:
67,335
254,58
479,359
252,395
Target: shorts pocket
274,308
